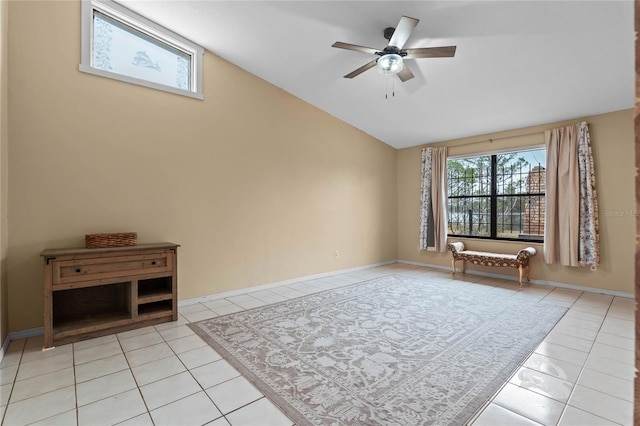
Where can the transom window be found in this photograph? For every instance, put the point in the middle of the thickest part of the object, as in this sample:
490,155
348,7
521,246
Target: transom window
119,44
499,196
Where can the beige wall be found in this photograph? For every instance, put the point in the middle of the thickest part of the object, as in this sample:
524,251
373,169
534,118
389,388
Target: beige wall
612,144
256,185
4,310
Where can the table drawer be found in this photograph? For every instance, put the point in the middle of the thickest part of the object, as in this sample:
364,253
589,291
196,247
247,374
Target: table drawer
70,271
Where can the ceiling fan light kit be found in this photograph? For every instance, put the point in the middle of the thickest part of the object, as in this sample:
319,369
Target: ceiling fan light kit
391,58
390,64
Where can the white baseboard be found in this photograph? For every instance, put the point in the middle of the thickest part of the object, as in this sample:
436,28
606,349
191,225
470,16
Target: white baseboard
30,332
267,286
21,334
541,282
5,345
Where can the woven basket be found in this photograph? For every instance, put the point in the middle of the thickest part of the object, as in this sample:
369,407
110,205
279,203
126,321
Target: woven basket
111,240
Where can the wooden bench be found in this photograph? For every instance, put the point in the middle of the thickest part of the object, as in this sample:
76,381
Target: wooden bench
520,260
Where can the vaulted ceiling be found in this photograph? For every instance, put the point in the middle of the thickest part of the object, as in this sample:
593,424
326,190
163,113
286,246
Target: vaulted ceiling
518,63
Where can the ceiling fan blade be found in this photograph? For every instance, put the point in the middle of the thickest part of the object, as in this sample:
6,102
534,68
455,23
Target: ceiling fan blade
403,31
405,74
349,46
362,69
430,52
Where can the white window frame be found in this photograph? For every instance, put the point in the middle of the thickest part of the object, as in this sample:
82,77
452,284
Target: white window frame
148,27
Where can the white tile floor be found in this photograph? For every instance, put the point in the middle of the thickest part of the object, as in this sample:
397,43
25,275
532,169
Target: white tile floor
581,374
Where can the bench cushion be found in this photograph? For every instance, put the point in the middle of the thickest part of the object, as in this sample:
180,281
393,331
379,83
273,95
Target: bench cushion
491,259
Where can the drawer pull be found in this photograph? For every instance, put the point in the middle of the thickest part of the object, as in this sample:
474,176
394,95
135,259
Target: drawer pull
78,270
153,263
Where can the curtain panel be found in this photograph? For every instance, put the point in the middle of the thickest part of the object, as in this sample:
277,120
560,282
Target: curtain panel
571,217
426,217
433,199
589,236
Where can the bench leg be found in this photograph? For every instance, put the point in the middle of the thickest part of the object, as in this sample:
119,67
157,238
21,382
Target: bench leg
453,266
520,275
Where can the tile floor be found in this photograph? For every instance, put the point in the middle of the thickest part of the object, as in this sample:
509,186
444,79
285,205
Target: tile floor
581,374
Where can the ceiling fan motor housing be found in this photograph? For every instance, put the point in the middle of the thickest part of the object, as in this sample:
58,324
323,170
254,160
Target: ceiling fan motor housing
391,50
388,32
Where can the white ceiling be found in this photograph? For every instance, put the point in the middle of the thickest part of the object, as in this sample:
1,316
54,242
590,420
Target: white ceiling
518,63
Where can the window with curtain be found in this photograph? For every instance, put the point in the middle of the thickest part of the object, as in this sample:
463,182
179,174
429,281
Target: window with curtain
499,196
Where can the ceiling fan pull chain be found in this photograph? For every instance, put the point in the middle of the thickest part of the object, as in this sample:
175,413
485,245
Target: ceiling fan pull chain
386,86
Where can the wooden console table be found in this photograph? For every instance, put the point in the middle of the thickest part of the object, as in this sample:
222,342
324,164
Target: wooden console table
95,292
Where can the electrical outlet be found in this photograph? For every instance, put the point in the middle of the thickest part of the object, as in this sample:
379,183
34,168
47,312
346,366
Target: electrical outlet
337,253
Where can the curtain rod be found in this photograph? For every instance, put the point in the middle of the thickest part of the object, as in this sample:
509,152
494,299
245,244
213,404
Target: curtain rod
491,140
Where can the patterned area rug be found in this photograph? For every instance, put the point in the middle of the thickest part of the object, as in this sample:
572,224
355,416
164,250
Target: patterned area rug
390,351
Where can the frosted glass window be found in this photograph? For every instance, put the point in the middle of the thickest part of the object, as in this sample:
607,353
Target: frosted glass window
123,50
120,44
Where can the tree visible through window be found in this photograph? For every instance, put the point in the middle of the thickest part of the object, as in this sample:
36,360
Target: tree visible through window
500,196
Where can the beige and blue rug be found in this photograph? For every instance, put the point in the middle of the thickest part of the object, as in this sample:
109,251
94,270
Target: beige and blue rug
390,351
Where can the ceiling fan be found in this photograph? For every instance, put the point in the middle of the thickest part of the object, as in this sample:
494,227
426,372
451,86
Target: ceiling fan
390,59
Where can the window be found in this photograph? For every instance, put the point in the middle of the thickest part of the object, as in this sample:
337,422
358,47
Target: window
499,196
122,45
